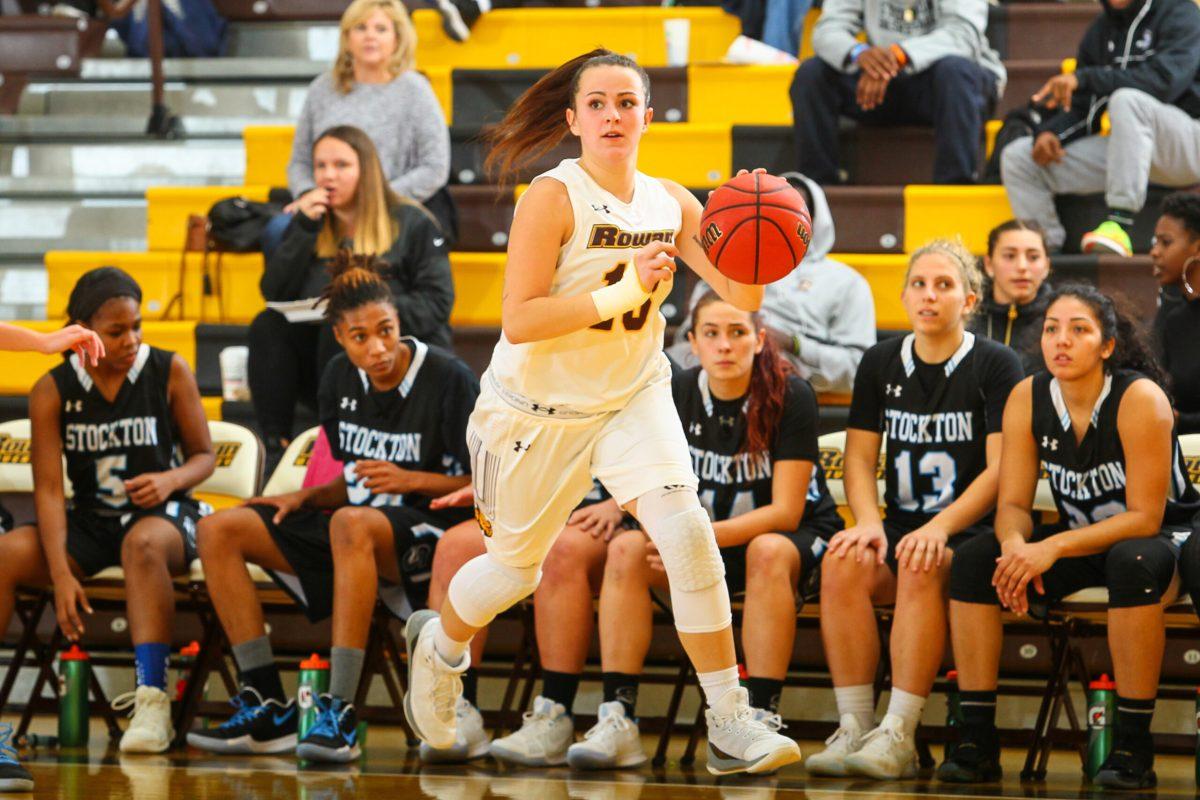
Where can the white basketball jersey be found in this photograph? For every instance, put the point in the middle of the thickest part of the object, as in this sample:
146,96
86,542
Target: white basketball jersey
597,369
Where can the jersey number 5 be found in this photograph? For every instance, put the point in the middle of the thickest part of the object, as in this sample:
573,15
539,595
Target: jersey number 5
631,320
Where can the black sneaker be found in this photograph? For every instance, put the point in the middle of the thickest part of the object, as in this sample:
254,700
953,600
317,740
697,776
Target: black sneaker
334,735
1127,768
975,757
458,17
257,726
13,776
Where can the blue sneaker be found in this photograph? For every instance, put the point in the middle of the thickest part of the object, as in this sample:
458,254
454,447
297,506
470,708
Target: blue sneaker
257,727
334,735
13,776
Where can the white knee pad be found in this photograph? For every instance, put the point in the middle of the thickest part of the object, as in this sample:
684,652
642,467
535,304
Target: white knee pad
484,587
682,532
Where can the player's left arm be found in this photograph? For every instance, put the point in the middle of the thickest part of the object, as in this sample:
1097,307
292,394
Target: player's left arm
153,488
789,492
747,297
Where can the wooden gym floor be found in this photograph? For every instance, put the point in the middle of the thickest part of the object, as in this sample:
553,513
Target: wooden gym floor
391,772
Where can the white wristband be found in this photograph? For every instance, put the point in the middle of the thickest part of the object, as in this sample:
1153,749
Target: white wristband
624,295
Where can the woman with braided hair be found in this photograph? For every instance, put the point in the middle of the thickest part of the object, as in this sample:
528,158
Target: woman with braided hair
395,412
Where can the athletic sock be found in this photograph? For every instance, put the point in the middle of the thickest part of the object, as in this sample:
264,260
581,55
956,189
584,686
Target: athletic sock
151,661
1121,217
470,684
715,684
256,668
908,707
623,688
765,693
451,650
858,701
1133,722
345,670
560,687
978,708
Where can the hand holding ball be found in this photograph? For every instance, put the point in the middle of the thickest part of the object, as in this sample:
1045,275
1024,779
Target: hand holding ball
755,228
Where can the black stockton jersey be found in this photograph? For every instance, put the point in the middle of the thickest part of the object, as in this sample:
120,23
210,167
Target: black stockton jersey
105,443
420,425
1088,478
732,482
936,418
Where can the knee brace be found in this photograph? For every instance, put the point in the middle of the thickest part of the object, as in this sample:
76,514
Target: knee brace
484,587
681,530
1138,572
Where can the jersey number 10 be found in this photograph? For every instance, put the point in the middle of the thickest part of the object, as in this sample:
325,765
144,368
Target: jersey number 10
631,320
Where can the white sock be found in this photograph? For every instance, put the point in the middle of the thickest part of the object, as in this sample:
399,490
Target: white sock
717,683
484,6
859,702
908,707
451,650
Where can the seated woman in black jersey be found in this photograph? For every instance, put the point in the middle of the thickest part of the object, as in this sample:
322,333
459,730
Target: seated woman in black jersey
135,439
1176,255
1015,291
751,425
1102,427
352,207
938,395
395,411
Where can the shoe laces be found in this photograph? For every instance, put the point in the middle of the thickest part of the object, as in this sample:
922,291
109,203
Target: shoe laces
8,753
140,710
841,734
750,728
608,727
884,734
772,722
245,712
329,719
446,692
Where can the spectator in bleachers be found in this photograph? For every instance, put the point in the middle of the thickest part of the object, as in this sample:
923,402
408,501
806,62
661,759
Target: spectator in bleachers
821,316
375,87
921,64
1015,292
777,23
352,210
1176,254
1140,61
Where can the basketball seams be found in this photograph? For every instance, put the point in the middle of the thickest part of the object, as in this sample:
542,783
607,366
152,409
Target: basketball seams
762,199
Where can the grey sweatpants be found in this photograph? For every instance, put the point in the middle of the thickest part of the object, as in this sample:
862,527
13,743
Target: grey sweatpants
1150,142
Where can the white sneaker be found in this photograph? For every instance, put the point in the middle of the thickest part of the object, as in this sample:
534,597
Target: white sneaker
613,742
738,742
433,685
472,740
887,753
542,740
150,730
832,760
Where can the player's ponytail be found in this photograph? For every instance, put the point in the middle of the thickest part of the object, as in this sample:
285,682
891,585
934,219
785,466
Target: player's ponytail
1132,349
95,288
355,283
537,121
768,384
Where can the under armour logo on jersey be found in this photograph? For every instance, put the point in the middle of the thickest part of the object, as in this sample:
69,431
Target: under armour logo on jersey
601,207
349,403
545,409
73,405
893,390
727,421
520,448
696,428
1050,444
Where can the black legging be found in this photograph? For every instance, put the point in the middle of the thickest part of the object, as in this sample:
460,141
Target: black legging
287,360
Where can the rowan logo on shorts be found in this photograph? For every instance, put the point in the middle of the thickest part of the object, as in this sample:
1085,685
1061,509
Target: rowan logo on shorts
485,524
520,447
13,451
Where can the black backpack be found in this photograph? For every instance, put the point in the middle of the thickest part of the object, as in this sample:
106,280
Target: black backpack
236,224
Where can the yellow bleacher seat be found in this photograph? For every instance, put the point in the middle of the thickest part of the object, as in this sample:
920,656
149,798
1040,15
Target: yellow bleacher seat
941,211
21,370
478,284
885,274
693,154
212,408
546,37
443,87
239,466
168,209
735,94
158,275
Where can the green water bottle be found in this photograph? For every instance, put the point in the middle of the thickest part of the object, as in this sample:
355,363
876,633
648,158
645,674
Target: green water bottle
1101,713
73,677
954,718
314,682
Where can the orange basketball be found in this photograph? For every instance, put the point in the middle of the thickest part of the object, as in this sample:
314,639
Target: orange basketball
755,228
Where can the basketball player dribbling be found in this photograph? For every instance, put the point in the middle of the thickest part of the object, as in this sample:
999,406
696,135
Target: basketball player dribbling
578,386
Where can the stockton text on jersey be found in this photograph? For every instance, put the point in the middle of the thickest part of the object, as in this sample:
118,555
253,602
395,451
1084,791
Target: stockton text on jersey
363,442
938,428
84,437
730,470
1087,485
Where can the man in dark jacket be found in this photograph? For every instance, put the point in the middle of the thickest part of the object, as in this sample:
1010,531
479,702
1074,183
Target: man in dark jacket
1140,62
